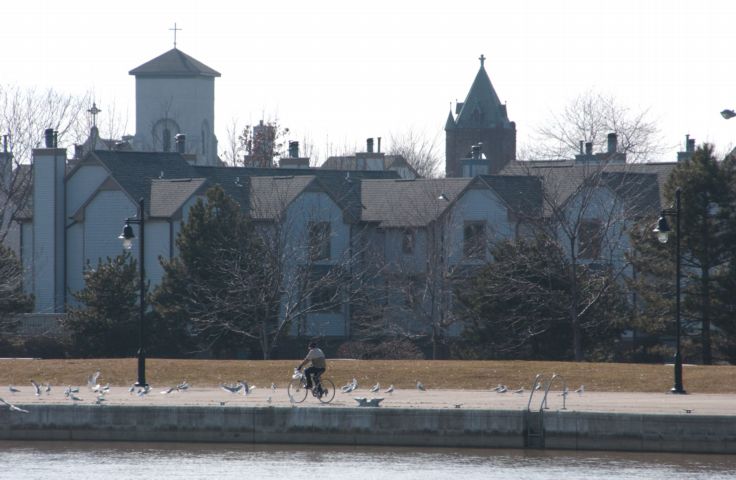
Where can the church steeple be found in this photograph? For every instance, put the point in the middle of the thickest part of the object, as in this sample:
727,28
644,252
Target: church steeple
481,119
482,108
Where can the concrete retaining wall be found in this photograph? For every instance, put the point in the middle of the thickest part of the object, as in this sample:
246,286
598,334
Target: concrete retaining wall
366,426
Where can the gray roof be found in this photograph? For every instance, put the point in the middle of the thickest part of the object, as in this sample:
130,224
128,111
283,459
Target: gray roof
270,196
169,195
358,162
638,183
408,203
521,193
174,63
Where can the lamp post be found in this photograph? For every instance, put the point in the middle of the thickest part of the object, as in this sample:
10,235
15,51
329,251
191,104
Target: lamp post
662,230
127,237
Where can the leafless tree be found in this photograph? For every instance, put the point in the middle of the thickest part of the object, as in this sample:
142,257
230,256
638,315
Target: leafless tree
419,149
24,115
590,117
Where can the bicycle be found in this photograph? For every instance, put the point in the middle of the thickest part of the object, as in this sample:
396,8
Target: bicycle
323,388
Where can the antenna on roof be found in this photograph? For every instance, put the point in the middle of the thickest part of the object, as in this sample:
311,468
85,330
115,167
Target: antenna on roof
161,175
175,30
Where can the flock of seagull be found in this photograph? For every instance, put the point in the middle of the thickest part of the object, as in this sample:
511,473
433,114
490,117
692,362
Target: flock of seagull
239,387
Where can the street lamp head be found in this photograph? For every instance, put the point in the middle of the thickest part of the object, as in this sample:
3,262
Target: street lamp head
728,114
662,230
127,236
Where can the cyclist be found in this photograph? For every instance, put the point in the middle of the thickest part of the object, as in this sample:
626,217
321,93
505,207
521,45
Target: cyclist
318,364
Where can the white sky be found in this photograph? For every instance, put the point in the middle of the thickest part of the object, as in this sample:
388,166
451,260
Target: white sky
338,72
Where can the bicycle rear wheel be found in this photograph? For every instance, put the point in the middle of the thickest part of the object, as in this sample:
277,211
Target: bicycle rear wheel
328,390
297,391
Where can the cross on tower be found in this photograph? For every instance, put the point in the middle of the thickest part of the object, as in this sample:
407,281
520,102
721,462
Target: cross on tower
482,59
175,30
94,111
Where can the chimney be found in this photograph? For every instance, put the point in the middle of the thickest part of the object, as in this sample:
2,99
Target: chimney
379,144
689,144
581,147
369,145
181,142
49,135
294,149
6,165
589,148
612,143
476,152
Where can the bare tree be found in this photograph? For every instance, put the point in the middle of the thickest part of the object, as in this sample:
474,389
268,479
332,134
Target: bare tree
419,150
24,115
589,117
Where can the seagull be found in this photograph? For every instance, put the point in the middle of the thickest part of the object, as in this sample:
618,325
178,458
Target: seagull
131,389
12,389
502,389
580,390
375,388
100,398
565,392
390,389
247,389
268,400
232,388
74,397
420,386
350,386
168,390
273,387
365,402
182,386
519,391
458,405
48,389
12,407
36,387
92,380
144,391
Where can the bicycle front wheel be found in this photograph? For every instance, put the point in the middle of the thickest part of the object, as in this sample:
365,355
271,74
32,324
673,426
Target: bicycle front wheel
297,391
328,390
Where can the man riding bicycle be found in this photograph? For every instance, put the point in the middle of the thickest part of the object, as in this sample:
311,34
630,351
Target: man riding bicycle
318,363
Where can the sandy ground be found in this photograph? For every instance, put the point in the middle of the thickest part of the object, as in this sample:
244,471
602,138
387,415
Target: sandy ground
658,403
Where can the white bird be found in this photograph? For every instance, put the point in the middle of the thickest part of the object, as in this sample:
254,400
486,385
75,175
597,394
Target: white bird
92,380
100,398
12,407
580,390
12,389
168,390
502,389
273,387
131,389
350,387
247,389
182,386
268,400
144,391
36,387
232,388
420,386
74,397
48,389
365,402
390,388
375,388
519,391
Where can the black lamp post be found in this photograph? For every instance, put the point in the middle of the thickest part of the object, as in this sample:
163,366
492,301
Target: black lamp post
127,237
662,230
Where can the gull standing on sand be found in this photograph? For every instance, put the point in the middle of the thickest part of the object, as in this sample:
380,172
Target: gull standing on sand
390,388
48,389
420,386
168,390
580,390
36,387
12,389
232,388
375,388
182,386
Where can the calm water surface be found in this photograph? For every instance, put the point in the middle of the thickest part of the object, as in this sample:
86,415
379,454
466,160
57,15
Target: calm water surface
87,460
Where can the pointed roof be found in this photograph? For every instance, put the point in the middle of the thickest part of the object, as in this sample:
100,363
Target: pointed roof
450,123
482,108
174,63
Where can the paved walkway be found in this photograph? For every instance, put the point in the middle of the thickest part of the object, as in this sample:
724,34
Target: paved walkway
662,403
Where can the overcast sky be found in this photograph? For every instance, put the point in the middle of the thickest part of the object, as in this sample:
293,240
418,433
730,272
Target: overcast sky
337,72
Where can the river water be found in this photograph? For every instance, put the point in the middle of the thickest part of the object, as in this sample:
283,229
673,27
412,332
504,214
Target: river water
88,460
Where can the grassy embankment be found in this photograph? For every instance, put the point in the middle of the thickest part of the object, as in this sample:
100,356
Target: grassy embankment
471,375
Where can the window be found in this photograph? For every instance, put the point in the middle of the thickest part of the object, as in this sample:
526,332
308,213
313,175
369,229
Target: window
319,240
474,239
407,241
590,236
